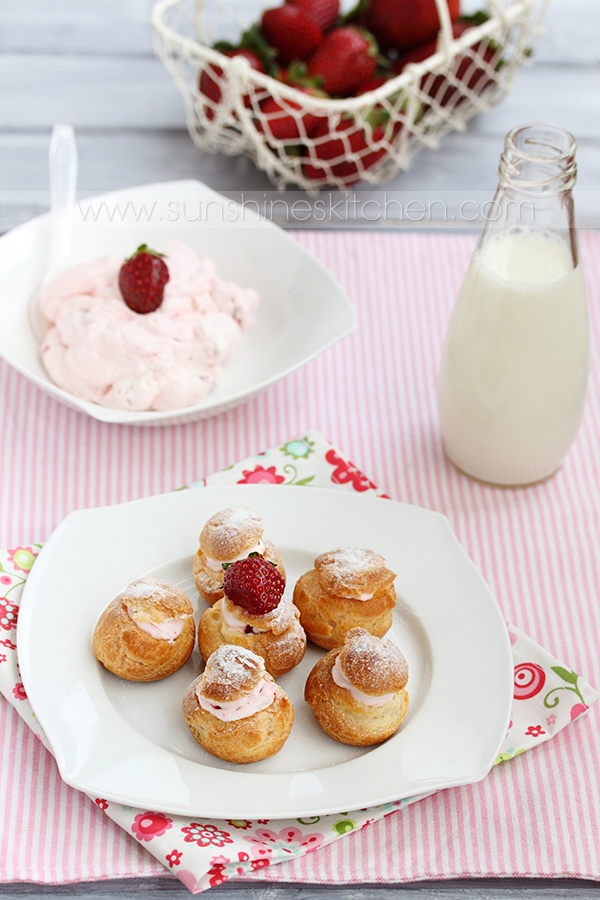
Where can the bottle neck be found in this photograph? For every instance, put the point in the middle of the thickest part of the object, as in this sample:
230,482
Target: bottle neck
539,161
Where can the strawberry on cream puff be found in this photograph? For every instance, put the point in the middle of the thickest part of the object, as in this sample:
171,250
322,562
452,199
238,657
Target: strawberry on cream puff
235,710
147,632
255,613
349,587
358,692
228,536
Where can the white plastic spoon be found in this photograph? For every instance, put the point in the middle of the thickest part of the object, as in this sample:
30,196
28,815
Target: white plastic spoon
63,184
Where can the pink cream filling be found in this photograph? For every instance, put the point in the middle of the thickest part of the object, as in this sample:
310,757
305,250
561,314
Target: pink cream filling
362,597
167,630
232,621
217,564
368,699
230,710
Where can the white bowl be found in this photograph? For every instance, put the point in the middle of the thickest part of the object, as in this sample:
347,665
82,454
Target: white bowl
302,312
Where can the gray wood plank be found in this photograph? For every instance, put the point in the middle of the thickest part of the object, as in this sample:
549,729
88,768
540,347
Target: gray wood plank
121,27
475,889
116,159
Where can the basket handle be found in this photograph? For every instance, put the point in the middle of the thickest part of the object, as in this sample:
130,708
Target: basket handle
446,36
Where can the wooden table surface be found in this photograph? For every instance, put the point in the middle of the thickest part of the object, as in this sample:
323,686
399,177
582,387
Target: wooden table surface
92,64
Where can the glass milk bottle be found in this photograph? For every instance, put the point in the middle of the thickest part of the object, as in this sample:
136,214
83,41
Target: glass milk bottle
515,359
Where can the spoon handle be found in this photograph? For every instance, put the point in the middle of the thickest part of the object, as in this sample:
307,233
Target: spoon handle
63,182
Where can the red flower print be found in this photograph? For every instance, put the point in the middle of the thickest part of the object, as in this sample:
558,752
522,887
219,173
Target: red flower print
174,858
290,840
103,804
5,579
239,823
529,679
19,692
203,835
260,475
262,821
218,876
9,613
148,825
9,644
535,730
259,864
346,472
2,657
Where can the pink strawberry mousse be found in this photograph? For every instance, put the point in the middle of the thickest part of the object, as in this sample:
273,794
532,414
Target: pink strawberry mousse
100,350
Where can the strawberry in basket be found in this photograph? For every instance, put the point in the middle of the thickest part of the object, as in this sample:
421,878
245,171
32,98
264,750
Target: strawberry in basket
400,24
468,69
346,59
346,152
287,120
211,79
291,31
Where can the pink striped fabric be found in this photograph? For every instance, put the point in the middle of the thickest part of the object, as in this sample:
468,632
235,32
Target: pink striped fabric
373,395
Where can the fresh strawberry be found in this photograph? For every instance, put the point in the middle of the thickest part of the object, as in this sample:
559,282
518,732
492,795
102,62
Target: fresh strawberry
345,59
254,584
286,120
465,69
210,79
323,12
348,155
291,31
142,280
400,24
371,85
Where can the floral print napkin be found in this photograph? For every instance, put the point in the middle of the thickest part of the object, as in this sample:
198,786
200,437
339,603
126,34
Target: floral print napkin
202,853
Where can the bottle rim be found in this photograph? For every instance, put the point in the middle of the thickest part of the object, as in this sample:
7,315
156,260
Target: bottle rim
545,150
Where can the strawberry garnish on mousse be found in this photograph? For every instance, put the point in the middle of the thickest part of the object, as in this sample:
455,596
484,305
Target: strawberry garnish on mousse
254,584
142,280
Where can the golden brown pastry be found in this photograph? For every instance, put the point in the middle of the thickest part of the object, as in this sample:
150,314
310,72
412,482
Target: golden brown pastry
229,535
235,710
147,632
348,588
357,692
256,614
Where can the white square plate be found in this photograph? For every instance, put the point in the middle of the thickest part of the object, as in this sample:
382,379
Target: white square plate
130,743
303,310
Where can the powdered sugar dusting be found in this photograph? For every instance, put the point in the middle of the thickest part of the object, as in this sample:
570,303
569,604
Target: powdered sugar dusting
230,672
150,588
372,665
229,531
352,572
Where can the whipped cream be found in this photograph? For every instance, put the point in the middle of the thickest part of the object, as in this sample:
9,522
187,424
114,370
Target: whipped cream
232,621
368,699
167,630
258,699
100,350
362,597
217,564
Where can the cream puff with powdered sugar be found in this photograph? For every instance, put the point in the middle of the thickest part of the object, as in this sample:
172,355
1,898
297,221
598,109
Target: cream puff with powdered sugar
235,710
147,632
228,536
358,692
349,587
255,613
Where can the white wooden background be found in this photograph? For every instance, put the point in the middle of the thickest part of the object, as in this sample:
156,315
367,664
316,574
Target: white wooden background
91,63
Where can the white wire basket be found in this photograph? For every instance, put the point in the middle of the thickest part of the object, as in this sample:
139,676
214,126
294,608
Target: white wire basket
464,77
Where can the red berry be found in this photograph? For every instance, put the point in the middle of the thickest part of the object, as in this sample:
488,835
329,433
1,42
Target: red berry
347,155
142,280
403,23
254,584
211,78
345,60
323,12
286,120
291,32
